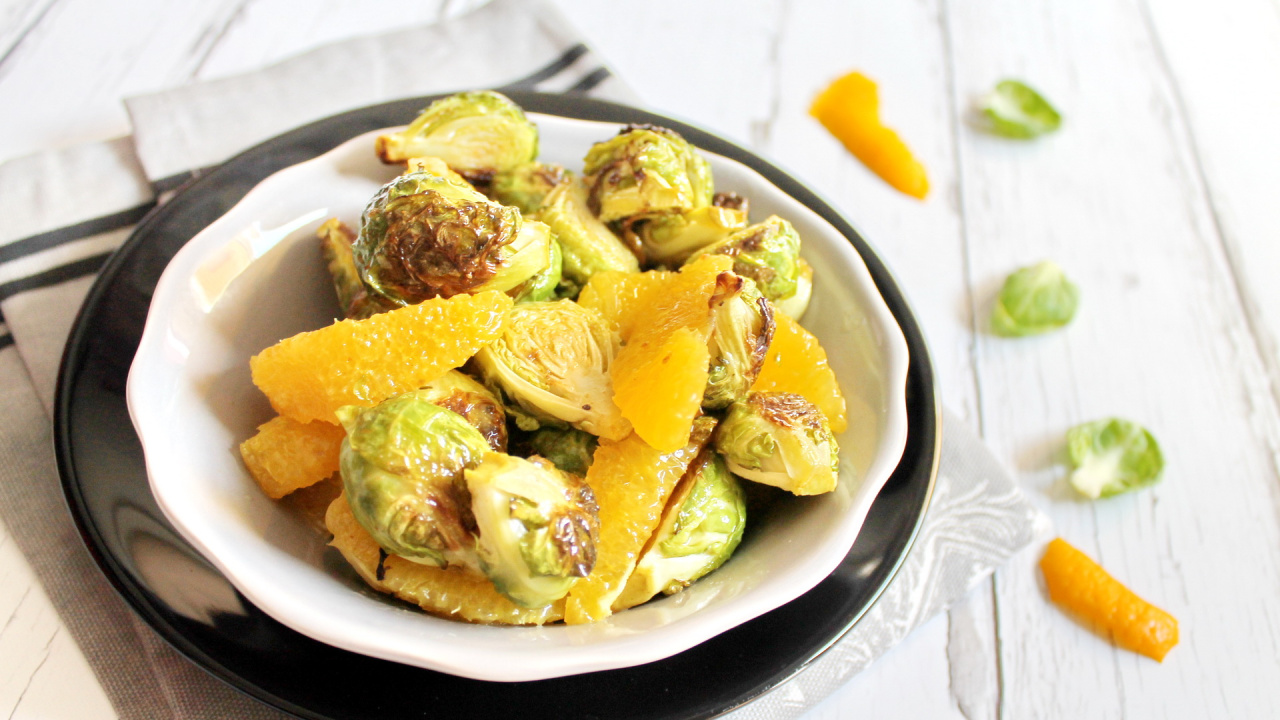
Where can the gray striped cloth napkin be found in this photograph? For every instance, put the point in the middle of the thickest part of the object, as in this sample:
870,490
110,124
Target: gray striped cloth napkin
53,243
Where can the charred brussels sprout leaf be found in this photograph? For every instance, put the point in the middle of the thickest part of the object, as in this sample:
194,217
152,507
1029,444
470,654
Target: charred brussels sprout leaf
477,404
479,134
646,170
1034,300
741,329
588,245
569,449
700,528
769,254
780,439
424,236
402,463
537,526
1013,109
526,186
553,361
1112,456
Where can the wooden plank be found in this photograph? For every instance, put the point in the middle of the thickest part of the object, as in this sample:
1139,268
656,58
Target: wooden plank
17,18
1161,338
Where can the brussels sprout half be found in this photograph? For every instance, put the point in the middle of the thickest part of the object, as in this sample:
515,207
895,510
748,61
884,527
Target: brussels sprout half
768,253
700,528
670,239
354,298
537,527
401,464
553,361
1112,456
569,449
477,133
646,170
780,439
425,236
588,245
526,186
741,329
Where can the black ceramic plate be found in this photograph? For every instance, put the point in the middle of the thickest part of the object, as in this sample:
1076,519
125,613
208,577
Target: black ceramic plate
186,601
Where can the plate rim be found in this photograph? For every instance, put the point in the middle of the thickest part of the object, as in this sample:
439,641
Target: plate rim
132,590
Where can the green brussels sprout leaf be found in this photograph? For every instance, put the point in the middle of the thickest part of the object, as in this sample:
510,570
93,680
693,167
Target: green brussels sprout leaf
1112,456
1034,300
1014,110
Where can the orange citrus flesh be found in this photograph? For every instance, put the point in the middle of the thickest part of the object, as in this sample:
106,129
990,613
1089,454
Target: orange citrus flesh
286,455
1082,587
363,362
796,363
631,482
850,110
659,375
449,592
622,298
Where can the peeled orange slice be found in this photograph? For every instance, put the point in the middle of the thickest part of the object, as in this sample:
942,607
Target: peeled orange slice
363,362
622,298
796,363
286,455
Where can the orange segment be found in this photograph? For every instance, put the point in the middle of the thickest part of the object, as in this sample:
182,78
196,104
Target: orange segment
622,298
850,110
1080,586
796,363
453,592
363,362
656,372
286,455
631,482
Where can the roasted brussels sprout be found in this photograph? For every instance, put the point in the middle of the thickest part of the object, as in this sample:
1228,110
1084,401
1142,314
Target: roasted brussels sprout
476,404
669,239
553,362
794,305
589,246
780,439
537,527
646,170
479,134
354,298
425,236
768,253
567,448
402,463
526,186
741,329
701,527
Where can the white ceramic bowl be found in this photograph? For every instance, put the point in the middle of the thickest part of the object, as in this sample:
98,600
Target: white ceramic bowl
255,276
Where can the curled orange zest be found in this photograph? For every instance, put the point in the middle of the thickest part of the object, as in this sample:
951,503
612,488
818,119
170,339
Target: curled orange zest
850,110
1082,587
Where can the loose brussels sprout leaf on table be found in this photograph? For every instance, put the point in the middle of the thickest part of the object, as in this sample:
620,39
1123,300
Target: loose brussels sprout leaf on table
1112,456
537,527
769,254
701,527
553,362
588,245
402,466
741,330
646,170
1034,300
780,439
479,134
1013,109
425,236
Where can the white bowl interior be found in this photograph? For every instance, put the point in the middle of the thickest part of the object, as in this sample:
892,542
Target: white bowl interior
256,276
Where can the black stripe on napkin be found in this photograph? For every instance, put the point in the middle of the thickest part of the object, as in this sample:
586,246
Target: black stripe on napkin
61,236
54,275
569,57
587,83
5,341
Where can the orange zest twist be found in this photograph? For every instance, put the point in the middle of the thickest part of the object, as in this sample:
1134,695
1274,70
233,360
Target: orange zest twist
850,110
1082,587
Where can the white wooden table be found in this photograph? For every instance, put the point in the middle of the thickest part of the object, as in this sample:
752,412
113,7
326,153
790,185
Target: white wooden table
1160,196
